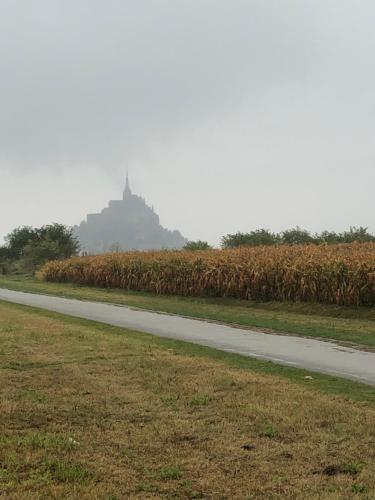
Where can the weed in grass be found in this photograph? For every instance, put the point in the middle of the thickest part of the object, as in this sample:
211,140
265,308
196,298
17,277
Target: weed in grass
359,488
270,432
332,488
170,473
33,396
351,468
67,472
170,401
13,462
7,329
127,452
196,494
225,383
143,486
186,487
19,366
186,483
200,400
3,474
48,441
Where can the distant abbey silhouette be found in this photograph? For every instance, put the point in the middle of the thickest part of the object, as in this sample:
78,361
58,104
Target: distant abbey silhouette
127,224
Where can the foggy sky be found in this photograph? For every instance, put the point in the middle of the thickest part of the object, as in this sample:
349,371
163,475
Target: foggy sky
229,114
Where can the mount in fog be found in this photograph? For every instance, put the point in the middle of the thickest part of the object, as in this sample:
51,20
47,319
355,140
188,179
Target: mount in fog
127,224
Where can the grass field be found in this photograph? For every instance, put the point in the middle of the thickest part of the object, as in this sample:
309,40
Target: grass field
353,325
96,412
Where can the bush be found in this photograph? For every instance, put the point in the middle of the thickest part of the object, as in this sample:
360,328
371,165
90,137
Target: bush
197,245
28,248
254,238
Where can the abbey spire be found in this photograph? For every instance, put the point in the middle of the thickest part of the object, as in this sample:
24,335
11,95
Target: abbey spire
127,190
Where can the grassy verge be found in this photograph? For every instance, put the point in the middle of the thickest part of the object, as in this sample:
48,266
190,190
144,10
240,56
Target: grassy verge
92,411
343,324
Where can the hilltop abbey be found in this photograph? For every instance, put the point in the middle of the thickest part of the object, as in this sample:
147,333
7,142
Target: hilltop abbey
127,224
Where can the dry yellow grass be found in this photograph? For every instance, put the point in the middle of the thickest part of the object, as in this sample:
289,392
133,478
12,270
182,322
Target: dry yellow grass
333,274
90,412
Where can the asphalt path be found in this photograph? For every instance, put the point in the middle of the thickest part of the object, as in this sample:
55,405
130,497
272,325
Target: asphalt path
314,355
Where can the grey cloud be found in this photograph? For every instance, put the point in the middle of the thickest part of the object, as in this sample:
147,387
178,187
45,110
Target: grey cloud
94,81
263,104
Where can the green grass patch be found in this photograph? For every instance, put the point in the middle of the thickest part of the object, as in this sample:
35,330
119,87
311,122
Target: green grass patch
200,400
170,473
67,472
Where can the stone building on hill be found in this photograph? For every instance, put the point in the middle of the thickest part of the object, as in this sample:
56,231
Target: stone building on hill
127,224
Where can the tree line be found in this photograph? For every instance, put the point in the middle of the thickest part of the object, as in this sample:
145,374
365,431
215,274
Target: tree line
295,236
27,248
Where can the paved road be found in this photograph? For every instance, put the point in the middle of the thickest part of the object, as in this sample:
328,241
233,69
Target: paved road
315,355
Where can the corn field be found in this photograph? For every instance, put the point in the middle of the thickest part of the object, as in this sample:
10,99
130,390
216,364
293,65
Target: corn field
336,274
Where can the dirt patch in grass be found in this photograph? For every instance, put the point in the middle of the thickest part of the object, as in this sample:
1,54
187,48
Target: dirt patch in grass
87,413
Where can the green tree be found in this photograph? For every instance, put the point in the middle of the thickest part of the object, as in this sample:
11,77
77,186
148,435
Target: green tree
28,248
254,238
328,237
65,243
19,238
297,236
197,245
357,234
